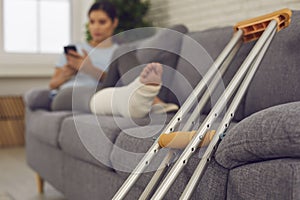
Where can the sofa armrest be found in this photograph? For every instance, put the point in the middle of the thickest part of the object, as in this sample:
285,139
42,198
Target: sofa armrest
269,134
37,98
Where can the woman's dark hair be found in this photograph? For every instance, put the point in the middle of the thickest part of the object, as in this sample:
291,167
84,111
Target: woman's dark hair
105,6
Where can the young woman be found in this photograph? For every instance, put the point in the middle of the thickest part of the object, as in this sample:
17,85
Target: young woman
102,23
84,69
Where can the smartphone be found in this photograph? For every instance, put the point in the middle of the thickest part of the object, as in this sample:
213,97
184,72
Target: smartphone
69,47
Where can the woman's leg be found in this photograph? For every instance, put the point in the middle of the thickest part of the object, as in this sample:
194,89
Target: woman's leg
73,98
133,100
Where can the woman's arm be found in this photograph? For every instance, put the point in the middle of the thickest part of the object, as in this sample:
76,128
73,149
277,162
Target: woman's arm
83,63
60,76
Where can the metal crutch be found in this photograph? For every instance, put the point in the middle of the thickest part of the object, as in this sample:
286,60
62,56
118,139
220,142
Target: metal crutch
199,171
279,21
129,182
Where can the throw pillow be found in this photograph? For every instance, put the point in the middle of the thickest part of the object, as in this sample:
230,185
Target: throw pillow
269,134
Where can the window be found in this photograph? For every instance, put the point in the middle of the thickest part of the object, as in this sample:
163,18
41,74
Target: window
37,58
36,26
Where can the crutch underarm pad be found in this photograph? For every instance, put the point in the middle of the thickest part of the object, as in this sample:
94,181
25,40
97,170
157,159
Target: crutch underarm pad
253,28
179,140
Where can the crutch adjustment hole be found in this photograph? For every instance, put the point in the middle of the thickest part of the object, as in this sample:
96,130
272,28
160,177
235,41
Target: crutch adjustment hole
208,159
193,149
207,125
216,114
281,25
232,114
147,162
226,125
178,118
171,129
184,162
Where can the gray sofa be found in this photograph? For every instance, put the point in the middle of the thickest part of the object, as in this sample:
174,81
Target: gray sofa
88,157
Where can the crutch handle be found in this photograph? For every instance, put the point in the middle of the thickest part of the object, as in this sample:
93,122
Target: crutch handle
179,140
253,28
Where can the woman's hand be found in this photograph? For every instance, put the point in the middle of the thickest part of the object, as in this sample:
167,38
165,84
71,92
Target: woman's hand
61,75
68,71
79,62
84,64
74,60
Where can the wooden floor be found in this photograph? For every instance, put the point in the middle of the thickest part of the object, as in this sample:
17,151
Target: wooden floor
17,180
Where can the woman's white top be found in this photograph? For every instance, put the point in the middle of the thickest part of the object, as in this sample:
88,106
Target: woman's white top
100,57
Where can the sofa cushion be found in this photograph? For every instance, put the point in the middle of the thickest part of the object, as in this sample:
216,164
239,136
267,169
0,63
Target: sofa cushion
277,79
45,125
131,145
213,184
274,179
91,138
163,46
269,134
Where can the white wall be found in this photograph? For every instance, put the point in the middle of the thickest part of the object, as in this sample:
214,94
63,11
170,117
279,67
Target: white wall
195,14
18,85
203,14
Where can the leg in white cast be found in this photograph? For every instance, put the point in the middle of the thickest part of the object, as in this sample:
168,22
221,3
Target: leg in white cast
133,100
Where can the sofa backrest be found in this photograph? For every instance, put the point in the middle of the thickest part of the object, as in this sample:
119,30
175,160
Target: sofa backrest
194,61
162,47
191,70
277,80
